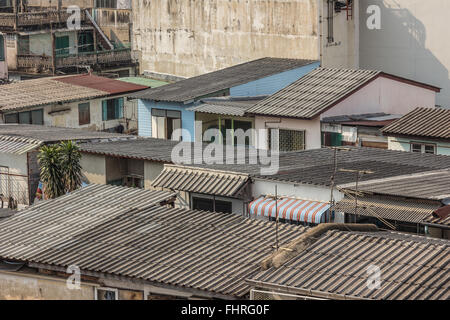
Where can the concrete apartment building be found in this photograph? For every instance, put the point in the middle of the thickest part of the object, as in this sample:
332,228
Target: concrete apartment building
188,38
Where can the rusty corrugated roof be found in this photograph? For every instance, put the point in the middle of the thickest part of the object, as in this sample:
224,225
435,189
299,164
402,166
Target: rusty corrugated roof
101,83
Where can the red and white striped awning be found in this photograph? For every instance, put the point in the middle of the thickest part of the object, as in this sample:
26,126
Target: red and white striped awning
290,209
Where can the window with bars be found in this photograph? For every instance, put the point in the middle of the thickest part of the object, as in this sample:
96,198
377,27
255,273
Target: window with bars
288,140
423,148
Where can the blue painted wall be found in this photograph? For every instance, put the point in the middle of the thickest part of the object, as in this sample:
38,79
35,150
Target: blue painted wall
264,86
272,84
145,117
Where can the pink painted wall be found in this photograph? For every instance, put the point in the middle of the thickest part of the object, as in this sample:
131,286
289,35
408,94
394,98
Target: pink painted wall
384,95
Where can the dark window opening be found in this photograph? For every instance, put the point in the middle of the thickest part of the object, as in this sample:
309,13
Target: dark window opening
208,205
2,48
26,117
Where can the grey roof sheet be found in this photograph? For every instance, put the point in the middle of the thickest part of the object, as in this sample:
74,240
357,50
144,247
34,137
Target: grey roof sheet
316,166
422,122
43,91
200,86
336,265
198,180
115,230
18,145
434,185
54,134
314,93
226,106
389,209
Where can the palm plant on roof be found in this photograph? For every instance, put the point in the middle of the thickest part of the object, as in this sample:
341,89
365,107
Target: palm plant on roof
70,165
49,159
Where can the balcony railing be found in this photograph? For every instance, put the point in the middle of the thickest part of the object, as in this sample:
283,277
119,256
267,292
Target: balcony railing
43,62
27,19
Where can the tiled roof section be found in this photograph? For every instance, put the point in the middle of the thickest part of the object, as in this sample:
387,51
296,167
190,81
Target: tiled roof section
55,134
443,219
316,166
337,266
229,106
200,86
201,181
44,91
111,86
18,145
422,122
116,230
434,185
389,209
314,93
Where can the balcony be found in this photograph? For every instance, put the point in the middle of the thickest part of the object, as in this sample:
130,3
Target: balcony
41,63
13,21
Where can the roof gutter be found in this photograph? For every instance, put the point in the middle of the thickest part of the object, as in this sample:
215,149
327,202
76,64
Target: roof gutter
435,225
300,291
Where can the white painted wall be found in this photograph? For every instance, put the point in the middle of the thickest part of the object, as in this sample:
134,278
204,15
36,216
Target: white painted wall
384,95
411,43
312,128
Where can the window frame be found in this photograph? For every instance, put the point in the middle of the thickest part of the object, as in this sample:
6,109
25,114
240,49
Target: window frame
118,107
2,48
167,115
116,292
423,147
269,139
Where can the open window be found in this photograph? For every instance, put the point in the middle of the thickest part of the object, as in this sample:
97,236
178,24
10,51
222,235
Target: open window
165,122
112,109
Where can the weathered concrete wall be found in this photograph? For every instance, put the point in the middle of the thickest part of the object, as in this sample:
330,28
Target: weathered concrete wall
114,23
411,42
187,38
151,172
15,286
94,168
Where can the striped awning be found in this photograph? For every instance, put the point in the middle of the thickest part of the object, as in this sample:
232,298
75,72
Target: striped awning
290,209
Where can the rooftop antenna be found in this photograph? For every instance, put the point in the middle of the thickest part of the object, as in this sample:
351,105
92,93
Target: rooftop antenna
358,176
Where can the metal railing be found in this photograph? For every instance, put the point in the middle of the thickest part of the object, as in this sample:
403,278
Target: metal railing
25,19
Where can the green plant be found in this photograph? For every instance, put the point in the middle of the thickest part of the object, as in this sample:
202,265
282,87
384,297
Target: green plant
60,168
49,159
70,164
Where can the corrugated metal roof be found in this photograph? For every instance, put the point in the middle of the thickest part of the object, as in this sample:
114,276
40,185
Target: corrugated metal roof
148,82
111,86
44,91
337,265
115,230
433,185
204,181
422,122
18,145
196,87
56,134
442,220
229,106
389,209
312,94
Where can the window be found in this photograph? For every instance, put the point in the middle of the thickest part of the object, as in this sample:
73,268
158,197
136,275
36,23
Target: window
106,4
85,41
106,294
84,114
12,118
2,48
204,204
165,122
62,45
423,148
288,140
112,109
26,117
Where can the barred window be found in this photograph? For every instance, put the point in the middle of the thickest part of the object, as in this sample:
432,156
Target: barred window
288,140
